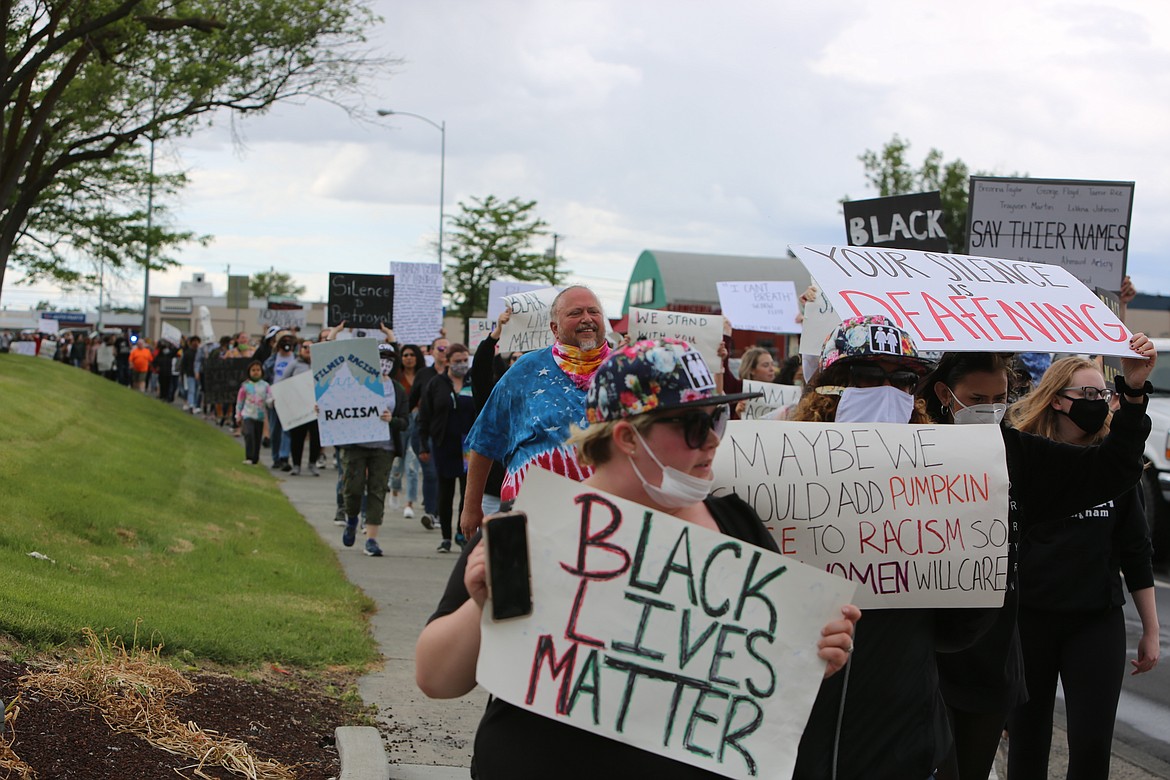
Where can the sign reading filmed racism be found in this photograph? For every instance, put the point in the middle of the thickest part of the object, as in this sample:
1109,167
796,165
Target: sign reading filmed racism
703,332
347,381
528,327
916,515
361,300
222,378
902,221
1081,226
775,397
661,634
968,304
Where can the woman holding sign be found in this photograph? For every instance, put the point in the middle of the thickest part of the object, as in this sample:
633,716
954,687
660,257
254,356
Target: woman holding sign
652,437
982,684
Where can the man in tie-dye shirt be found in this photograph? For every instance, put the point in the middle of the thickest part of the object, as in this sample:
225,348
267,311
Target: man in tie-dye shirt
526,419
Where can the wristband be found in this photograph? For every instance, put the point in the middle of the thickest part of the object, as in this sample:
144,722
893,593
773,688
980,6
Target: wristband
1132,392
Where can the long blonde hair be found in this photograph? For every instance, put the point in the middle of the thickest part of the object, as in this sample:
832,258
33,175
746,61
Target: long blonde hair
1034,413
747,363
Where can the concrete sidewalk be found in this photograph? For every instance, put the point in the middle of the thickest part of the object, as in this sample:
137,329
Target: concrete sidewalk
432,740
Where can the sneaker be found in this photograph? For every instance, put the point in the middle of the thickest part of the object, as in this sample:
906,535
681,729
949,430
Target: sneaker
350,533
247,462
313,470
444,546
339,518
266,442
286,466
372,549
426,521
394,501
321,462
460,539
276,464
435,524
408,513
295,471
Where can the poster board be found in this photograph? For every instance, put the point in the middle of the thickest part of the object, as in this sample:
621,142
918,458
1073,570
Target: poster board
222,378
498,289
968,304
819,320
528,328
295,401
703,622
1081,226
48,349
347,383
418,302
916,515
171,333
361,300
46,325
775,397
283,318
478,329
23,348
912,221
703,332
769,307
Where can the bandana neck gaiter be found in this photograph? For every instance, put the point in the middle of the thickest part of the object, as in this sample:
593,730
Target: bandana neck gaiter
578,364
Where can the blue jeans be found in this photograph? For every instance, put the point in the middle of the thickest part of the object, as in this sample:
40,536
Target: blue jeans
276,438
192,392
406,465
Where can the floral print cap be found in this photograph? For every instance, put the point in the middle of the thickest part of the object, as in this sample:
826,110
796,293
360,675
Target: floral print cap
871,337
647,376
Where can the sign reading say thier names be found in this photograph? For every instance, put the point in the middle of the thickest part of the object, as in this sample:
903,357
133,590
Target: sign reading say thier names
968,304
916,515
361,300
347,381
661,634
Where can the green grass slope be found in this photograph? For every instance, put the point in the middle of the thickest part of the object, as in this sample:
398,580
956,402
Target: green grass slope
156,529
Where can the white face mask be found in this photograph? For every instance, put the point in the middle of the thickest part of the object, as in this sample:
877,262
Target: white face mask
975,414
882,404
678,489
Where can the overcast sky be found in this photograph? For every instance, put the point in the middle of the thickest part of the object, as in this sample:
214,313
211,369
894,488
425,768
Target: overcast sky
728,127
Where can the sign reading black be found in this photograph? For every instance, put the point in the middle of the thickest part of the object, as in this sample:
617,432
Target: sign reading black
222,378
361,300
899,222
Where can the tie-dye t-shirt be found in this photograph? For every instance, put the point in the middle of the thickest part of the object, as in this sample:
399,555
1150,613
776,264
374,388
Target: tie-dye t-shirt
526,422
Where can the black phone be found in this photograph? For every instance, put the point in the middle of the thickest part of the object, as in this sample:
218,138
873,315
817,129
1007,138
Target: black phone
509,576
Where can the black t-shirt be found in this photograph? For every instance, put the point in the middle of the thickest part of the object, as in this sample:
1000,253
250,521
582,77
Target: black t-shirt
512,743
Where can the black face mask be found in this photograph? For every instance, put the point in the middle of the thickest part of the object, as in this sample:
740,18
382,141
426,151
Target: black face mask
1087,415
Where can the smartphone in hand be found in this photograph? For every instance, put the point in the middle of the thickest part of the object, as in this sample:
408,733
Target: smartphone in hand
509,576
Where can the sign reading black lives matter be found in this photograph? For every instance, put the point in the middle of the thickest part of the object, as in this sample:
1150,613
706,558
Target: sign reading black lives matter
361,300
1081,226
902,221
661,634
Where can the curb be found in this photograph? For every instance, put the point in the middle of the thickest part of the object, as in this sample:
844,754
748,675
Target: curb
359,748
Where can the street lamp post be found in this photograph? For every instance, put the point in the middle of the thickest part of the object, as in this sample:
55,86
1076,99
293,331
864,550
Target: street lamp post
442,128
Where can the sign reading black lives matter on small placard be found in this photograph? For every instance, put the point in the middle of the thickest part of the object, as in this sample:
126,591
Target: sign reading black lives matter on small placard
902,221
1081,226
361,300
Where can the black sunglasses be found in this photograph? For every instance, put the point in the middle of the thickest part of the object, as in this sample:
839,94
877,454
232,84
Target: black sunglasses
697,424
869,375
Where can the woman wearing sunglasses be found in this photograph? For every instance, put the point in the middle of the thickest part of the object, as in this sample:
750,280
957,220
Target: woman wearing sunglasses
1049,482
654,426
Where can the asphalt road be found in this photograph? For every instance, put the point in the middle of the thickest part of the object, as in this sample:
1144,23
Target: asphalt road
1143,714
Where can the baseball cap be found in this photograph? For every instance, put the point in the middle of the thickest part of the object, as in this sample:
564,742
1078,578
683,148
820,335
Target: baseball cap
386,350
649,376
871,337
272,331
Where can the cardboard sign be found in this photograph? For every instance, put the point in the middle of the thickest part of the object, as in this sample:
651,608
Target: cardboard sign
916,515
23,348
775,397
285,319
361,300
819,320
48,349
171,333
1081,226
968,304
499,289
347,382
45,325
528,328
295,400
661,634
418,302
222,378
770,307
478,329
902,221
703,332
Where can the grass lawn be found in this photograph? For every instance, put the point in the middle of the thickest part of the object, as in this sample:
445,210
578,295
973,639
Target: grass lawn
156,530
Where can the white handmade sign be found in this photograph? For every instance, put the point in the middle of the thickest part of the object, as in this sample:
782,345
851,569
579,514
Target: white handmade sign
285,319
968,304
775,397
46,325
499,289
347,381
295,400
48,349
819,320
661,634
478,329
528,327
172,334
770,307
23,348
703,332
917,515
418,302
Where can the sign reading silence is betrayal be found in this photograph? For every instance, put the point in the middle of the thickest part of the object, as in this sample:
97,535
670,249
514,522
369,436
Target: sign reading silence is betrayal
661,634
968,304
916,515
361,300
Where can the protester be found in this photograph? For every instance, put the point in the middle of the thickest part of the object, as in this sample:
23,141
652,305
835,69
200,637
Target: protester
430,479
631,449
105,360
252,403
486,370
122,349
527,418
409,363
297,435
982,684
163,363
757,365
1070,620
446,413
276,367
